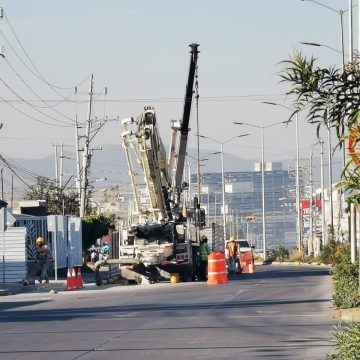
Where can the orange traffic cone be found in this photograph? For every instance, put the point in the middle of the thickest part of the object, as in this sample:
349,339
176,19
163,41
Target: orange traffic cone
79,280
73,275
70,280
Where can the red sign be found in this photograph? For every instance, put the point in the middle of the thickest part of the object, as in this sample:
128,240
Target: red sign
352,142
305,205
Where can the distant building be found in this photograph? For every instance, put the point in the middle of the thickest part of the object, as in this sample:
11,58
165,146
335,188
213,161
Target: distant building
243,194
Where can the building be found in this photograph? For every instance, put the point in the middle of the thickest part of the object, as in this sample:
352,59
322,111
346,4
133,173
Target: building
243,198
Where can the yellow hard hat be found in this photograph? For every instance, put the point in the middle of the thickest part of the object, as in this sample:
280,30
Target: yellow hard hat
232,238
40,240
203,237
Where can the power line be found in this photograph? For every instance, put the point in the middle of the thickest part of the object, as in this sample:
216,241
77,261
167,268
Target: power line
31,117
39,76
34,92
39,111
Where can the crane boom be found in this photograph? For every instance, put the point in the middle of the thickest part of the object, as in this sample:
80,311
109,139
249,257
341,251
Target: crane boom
184,129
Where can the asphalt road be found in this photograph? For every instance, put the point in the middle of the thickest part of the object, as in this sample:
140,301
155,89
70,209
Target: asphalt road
280,312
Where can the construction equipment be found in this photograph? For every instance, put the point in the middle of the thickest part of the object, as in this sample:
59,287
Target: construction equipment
162,234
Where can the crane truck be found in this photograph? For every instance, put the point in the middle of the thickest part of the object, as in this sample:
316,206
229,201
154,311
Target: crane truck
162,234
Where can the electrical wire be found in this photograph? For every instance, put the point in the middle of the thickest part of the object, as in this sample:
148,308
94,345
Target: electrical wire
33,118
35,93
167,100
14,172
40,76
36,109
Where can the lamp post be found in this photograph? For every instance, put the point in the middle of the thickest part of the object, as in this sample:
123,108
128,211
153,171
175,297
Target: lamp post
222,172
340,13
297,179
205,158
262,174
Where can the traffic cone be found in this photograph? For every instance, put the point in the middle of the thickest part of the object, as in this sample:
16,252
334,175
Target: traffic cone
79,280
70,280
73,275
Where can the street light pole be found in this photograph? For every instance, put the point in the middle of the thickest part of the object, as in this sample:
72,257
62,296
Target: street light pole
297,174
323,230
330,181
223,189
222,173
340,13
297,185
262,174
263,192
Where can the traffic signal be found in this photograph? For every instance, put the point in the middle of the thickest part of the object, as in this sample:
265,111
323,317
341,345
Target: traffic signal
202,218
250,218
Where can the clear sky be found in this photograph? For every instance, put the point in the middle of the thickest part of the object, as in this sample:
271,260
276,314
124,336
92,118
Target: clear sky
138,49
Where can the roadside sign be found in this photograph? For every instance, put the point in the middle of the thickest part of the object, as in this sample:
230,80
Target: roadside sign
6,219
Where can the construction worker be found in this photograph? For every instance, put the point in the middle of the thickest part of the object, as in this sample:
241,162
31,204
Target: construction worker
204,252
43,259
232,253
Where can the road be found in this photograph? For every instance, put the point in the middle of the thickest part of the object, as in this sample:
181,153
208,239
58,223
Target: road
280,312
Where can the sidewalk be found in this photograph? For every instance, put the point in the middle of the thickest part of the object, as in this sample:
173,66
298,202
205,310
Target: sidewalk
57,286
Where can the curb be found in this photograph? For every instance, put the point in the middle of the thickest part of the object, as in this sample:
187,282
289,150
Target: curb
350,315
299,263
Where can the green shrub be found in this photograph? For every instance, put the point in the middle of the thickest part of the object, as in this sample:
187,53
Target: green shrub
283,253
272,255
347,343
345,277
325,255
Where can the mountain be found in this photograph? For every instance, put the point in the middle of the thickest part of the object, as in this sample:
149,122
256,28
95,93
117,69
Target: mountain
109,166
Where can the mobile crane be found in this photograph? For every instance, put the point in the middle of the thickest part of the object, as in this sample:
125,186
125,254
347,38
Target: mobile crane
161,236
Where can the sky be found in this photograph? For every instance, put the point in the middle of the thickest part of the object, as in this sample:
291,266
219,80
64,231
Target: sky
138,50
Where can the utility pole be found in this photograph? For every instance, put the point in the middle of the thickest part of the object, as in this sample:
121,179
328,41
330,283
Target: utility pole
61,164
86,155
12,190
56,166
2,183
77,152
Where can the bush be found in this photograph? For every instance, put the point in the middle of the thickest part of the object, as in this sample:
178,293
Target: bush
345,277
272,255
297,255
283,253
325,256
280,254
327,252
347,343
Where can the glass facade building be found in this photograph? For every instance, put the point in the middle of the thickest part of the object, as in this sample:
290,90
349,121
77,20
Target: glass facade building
243,198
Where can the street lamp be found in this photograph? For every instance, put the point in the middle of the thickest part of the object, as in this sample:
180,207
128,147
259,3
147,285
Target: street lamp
262,174
341,13
222,172
297,180
204,158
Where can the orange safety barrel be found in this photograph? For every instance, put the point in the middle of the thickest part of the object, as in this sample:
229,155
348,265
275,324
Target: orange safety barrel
217,268
247,262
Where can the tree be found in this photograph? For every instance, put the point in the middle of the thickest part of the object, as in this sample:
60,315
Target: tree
94,227
332,98
59,201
